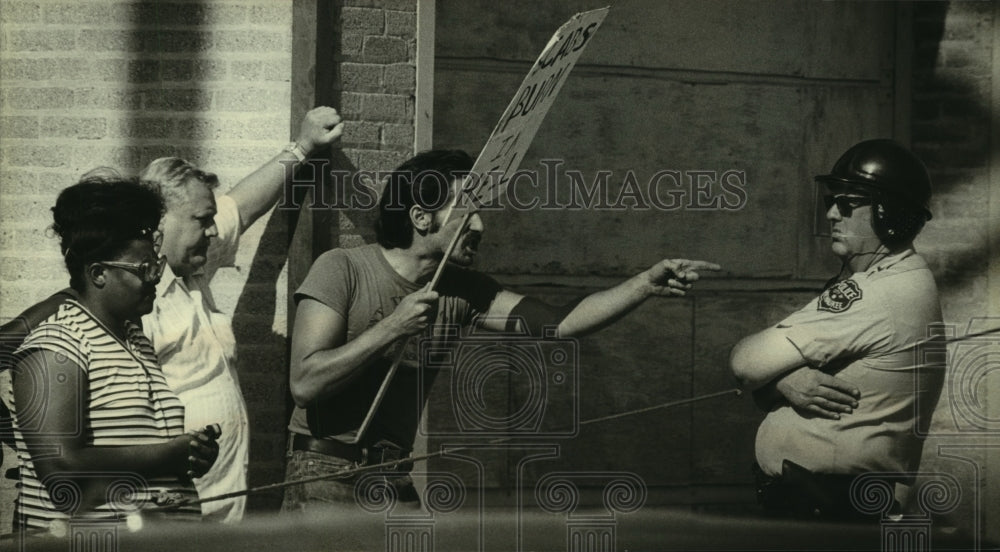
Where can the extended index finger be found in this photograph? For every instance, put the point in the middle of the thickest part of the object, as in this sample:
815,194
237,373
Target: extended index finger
687,264
683,266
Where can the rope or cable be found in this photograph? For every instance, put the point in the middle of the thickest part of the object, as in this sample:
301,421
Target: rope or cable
349,472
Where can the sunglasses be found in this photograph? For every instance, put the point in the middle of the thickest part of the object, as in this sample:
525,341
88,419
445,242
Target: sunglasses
147,271
846,204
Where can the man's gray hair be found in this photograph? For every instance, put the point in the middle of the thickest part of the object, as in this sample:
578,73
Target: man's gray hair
171,175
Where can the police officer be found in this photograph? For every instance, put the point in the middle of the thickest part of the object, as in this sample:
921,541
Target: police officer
848,392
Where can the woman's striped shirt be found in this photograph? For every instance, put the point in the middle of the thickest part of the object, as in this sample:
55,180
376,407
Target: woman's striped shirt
127,402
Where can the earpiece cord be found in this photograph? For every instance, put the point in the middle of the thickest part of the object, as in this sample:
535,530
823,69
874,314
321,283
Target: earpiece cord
845,263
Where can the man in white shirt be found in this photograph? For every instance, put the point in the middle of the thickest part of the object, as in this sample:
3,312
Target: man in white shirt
193,339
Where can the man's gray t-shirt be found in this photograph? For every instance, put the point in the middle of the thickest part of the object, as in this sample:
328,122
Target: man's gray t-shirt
361,285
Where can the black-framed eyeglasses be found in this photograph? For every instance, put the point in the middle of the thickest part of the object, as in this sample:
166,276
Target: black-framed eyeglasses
148,271
846,204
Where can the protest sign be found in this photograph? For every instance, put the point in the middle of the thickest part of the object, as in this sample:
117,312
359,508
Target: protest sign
507,145
509,142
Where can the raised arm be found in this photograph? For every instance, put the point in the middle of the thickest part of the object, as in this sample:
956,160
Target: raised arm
261,189
670,277
52,390
323,361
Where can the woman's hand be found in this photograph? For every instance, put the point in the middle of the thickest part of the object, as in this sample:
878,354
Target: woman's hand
196,452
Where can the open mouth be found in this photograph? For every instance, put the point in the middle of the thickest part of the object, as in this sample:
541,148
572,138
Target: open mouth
470,245
201,250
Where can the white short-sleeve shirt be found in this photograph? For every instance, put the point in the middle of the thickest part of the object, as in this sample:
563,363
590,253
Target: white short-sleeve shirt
197,348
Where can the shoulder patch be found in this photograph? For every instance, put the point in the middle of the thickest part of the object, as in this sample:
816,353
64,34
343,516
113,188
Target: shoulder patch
840,297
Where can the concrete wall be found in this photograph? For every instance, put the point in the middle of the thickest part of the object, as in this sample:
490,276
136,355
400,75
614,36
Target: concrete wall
674,85
775,91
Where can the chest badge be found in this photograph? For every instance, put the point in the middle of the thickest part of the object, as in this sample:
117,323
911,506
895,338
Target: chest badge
840,297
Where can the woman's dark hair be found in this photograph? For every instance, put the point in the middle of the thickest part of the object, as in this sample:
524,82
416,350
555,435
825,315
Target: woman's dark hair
97,217
424,180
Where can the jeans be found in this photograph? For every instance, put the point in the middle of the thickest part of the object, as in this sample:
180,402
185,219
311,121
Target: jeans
341,491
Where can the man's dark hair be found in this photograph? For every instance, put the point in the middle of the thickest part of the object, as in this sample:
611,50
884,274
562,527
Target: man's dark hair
424,180
97,217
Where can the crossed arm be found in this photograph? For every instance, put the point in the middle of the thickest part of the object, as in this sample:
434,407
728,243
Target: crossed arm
759,358
772,367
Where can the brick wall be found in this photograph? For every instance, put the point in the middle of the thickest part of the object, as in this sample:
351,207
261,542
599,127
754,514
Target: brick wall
94,83
376,74
951,119
951,128
374,83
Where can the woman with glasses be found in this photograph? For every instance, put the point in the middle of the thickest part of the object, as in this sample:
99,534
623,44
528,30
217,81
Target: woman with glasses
98,431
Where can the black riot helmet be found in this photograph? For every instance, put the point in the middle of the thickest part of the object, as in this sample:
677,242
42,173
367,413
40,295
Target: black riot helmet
897,181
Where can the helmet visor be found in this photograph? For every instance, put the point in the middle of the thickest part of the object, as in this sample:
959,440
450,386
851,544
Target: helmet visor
821,226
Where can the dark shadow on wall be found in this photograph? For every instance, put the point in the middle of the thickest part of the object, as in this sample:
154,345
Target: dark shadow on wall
166,79
951,128
298,231
167,96
951,134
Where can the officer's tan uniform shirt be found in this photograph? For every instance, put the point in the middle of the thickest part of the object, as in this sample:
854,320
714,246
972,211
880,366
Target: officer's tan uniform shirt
864,330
